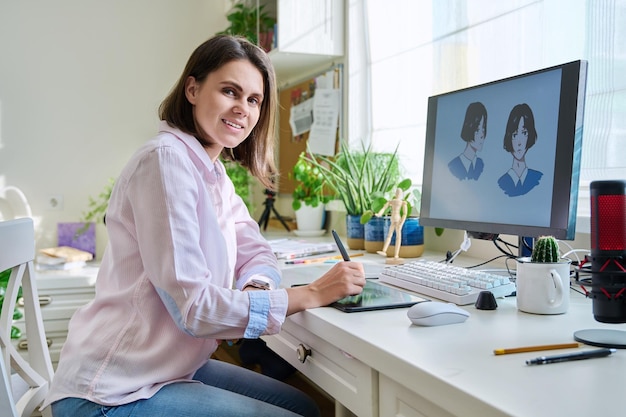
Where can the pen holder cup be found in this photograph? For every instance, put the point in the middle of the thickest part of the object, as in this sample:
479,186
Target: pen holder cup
543,288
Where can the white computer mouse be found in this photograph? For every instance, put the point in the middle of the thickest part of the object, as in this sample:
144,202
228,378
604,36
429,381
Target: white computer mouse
436,313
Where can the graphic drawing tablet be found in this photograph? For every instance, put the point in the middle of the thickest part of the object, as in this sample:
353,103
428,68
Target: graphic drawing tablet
376,296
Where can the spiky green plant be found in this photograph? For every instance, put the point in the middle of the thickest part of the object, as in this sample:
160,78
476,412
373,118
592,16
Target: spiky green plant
411,197
545,249
356,177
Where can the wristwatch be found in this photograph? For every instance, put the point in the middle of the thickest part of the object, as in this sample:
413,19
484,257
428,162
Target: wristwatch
257,283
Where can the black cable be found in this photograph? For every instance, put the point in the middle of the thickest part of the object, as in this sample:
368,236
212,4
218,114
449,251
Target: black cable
509,253
487,261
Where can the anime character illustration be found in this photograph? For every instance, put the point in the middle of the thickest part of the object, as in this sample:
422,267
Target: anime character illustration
468,166
520,135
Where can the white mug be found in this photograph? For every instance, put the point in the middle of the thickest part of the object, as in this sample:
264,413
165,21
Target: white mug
543,288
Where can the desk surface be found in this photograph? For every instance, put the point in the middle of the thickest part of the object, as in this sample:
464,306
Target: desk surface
454,366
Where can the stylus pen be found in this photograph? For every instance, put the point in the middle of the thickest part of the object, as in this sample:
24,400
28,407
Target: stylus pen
588,354
344,253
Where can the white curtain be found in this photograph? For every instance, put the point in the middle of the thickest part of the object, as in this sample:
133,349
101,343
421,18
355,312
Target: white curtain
418,48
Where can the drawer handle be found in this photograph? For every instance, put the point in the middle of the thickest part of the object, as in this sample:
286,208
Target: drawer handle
23,344
303,352
44,300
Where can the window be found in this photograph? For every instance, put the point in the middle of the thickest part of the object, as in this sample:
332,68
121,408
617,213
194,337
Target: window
430,47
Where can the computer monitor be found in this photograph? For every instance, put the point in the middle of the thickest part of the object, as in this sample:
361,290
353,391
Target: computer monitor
504,157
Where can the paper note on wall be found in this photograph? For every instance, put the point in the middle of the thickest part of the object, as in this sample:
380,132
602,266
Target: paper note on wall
323,133
301,117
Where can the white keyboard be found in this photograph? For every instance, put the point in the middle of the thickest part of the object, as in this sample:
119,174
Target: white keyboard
446,282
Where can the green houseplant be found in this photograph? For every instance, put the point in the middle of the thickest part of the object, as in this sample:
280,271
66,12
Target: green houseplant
309,196
243,19
411,196
82,234
377,233
241,180
354,176
97,207
310,182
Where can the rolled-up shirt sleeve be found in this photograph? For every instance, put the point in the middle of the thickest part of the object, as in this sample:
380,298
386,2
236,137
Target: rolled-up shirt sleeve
267,312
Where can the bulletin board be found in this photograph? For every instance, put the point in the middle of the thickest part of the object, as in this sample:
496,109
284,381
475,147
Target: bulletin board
291,146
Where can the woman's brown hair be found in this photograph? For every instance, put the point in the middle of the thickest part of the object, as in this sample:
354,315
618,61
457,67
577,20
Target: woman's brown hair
256,152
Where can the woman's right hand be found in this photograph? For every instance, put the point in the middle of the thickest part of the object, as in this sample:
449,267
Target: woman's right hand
342,280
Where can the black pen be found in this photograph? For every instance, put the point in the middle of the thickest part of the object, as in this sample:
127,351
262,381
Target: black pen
344,253
588,354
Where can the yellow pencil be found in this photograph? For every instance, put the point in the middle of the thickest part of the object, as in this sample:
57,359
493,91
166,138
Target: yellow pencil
535,348
322,259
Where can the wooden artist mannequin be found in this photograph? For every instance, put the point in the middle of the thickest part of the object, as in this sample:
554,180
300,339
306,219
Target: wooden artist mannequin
398,216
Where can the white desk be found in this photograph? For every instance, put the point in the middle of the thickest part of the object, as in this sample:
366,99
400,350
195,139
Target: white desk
378,364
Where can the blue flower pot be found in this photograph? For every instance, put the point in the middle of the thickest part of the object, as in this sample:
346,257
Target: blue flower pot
375,234
412,242
355,232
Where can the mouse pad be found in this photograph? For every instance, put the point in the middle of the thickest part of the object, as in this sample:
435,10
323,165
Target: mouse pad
376,296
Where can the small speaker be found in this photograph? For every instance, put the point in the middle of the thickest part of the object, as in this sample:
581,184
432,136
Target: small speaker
608,250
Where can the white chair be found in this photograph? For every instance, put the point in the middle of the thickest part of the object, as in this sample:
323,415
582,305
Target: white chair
13,204
23,384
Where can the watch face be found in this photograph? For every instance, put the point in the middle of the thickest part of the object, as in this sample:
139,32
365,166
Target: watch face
256,283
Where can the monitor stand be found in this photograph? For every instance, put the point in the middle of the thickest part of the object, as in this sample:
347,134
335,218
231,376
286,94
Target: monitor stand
602,338
525,246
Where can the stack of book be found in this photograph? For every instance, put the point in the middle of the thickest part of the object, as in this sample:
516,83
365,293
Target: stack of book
291,248
62,258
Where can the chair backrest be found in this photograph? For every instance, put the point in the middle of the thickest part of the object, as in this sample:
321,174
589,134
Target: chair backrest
17,251
13,204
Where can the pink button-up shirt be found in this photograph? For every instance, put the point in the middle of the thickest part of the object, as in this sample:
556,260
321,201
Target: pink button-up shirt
180,240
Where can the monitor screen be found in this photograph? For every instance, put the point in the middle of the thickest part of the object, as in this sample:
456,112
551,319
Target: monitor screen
504,157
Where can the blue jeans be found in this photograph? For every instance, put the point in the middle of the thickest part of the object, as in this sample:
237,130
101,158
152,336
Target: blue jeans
226,390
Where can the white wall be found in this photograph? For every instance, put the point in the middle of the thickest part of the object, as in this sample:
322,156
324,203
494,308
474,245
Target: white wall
80,85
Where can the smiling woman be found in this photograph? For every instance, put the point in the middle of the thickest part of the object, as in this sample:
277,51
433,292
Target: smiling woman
177,109
226,105
186,265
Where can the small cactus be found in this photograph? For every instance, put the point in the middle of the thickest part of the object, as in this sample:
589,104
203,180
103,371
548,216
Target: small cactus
546,249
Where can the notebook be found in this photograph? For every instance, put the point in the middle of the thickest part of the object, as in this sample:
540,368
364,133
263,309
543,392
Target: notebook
293,248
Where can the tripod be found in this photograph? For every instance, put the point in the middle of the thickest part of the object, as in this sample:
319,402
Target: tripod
269,206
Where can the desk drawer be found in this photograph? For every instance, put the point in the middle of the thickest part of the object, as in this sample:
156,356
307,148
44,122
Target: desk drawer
348,380
398,400
55,337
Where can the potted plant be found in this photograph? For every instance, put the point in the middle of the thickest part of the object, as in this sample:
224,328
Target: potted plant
82,234
241,180
309,195
97,207
411,196
354,177
545,250
543,279
377,227
244,19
